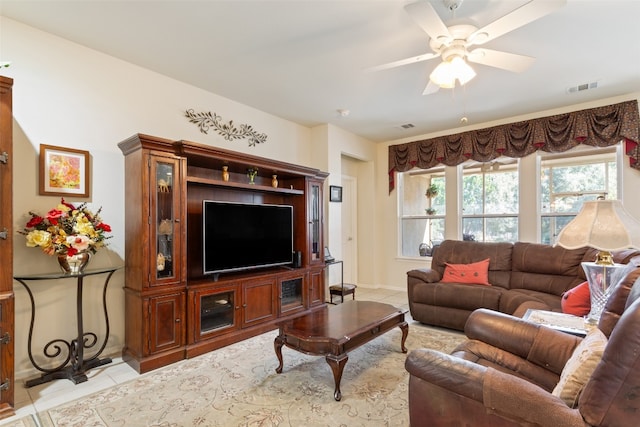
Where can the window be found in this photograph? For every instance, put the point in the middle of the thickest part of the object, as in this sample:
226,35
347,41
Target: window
421,212
490,201
568,180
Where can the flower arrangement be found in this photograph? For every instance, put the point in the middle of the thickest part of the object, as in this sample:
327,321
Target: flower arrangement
67,230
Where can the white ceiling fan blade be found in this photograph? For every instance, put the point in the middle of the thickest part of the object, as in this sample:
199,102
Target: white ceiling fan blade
431,88
427,18
504,60
523,15
406,61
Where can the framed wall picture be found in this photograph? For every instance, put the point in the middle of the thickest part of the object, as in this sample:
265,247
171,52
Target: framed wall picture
64,171
335,193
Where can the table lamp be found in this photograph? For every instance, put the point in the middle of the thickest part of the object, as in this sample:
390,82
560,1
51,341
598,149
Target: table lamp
604,225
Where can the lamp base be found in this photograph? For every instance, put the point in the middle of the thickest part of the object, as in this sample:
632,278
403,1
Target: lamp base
602,279
604,258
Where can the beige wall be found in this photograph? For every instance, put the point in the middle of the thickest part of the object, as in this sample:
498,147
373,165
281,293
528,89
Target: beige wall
343,145
67,95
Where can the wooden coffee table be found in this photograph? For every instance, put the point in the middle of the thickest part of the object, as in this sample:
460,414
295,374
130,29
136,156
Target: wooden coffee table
333,331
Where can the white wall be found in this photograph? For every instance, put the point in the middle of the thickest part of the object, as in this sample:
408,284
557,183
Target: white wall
395,267
67,95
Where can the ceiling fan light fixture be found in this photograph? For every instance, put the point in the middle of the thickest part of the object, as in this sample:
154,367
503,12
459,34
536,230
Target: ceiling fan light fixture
446,73
443,76
461,70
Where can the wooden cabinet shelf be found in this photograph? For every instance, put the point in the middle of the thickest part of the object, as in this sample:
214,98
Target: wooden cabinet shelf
172,309
242,186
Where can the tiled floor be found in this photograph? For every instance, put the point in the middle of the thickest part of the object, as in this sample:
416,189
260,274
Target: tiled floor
45,396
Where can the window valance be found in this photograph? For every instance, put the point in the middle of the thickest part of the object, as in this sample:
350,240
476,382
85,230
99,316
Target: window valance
598,127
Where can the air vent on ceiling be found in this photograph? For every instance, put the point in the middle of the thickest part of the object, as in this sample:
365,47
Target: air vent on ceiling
407,126
582,87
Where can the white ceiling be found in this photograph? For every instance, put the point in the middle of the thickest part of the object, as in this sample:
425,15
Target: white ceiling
304,60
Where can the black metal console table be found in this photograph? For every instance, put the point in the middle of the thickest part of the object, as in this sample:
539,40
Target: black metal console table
343,288
74,366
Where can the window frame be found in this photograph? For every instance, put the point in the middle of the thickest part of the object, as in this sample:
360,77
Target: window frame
485,169
400,179
530,215
568,158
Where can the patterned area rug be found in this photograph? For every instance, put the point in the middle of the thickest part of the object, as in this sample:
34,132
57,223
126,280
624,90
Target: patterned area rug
27,421
238,386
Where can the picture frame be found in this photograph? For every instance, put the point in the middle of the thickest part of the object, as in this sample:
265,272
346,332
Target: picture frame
335,193
64,171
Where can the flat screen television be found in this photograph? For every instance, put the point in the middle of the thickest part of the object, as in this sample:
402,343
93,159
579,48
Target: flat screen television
241,236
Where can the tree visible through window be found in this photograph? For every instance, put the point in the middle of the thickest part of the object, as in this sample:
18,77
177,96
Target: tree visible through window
490,201
566,182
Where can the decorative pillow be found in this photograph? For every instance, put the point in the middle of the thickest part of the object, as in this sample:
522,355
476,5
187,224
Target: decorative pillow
476,273
580,366
577,301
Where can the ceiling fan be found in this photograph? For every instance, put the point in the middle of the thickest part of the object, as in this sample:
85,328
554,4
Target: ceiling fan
454,44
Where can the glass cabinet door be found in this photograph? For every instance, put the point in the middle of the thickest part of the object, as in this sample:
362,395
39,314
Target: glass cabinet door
216,311
315,222
165,220
292,293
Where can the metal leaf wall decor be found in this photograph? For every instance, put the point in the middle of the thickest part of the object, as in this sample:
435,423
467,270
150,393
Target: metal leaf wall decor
228,131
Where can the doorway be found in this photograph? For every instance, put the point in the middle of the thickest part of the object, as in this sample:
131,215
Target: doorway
349,214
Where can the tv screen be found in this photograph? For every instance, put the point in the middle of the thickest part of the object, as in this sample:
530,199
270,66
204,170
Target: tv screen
240,236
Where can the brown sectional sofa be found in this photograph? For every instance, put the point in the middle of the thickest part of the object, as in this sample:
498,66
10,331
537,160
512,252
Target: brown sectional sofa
522,275
504,374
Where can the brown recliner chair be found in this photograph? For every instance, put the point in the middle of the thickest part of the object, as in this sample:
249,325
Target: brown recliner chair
505,373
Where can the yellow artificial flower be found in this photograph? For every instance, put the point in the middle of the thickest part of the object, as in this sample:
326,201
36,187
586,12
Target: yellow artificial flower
83,226
38,238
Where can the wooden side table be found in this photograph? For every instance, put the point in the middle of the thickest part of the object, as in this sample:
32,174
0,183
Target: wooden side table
343,288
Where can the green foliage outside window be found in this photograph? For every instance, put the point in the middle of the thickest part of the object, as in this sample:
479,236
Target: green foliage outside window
490,198
490,205
566,184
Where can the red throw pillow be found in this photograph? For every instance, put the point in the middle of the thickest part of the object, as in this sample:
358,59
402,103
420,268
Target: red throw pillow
577,301
476,273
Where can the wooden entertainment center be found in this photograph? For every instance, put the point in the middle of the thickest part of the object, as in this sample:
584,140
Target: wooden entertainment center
172,310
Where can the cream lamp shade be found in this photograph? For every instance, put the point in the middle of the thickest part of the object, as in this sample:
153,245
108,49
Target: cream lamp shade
603,225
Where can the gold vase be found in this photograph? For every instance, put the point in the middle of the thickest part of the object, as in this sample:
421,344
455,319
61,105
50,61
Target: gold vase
251,173
74,264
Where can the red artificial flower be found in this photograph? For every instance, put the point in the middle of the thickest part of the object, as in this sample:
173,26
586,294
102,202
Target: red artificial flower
69,205
53,215
104,227
72,251
34,221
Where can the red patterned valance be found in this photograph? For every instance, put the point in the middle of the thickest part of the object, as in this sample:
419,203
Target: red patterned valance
598,127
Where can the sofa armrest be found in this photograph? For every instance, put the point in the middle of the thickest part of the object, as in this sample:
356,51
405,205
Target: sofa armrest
521,338
425,274
449,372
502,394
